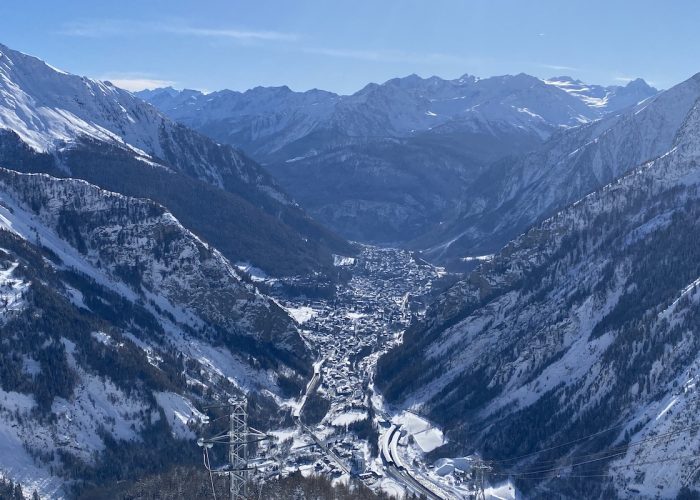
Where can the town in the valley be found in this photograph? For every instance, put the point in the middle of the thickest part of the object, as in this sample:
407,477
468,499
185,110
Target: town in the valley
343,428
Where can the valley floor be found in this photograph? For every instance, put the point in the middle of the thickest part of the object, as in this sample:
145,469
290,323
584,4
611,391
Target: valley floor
357,435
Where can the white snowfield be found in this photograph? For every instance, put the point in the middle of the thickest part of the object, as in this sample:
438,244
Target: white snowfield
427,436
301,314
180,413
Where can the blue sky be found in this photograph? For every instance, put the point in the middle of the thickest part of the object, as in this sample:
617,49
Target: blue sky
341,46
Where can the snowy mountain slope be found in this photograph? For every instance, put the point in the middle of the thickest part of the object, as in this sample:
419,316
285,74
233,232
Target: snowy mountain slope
259,119
608,99
517,192
412,103
72,119
49,109
585,322
141,244
72,394
35,108
117,320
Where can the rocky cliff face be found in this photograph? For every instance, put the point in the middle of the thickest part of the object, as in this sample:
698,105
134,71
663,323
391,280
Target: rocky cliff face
140,243
117,323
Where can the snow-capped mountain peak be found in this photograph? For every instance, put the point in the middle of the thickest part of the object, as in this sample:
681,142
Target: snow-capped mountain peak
48,108
606,99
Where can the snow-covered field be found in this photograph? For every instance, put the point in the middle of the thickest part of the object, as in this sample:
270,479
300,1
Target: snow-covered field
348,417
301,314
423,432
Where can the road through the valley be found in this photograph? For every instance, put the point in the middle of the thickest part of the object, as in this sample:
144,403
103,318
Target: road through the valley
395,467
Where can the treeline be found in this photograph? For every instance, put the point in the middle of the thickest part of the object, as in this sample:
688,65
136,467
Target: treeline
12,491
315,408
193,483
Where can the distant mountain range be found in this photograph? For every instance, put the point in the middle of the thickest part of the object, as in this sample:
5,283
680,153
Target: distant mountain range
272,123
392,161
516,192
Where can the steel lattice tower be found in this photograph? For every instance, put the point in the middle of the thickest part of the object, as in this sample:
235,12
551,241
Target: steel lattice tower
237,438
480,468
238,448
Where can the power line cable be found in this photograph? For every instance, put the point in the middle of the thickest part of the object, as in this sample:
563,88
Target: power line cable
584,438
611,453
569,443
691,458
623,448
207,465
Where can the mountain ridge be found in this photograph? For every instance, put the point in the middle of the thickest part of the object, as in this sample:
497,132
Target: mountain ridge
67,118
520,191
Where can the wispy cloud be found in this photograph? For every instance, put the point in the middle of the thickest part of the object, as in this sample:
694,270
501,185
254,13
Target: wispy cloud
134,82
391,56
232,33
94,29
558,67
102,28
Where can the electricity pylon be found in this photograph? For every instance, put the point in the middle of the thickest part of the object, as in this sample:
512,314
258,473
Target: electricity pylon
238,437
480,468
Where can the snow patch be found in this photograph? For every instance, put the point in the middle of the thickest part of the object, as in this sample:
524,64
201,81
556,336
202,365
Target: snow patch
179,413
341,261
477,258
256,274
427,436
348,418
301,314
